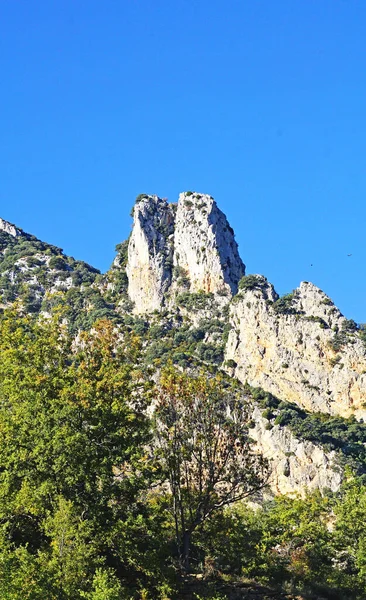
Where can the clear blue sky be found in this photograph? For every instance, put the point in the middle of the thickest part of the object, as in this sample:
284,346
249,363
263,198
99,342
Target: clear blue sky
261,103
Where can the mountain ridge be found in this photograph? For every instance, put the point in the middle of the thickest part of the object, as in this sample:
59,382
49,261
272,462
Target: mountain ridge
179,283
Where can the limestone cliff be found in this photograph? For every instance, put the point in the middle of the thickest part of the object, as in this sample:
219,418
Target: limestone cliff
150,251
205,250
299,347
9,228
296,466
185,247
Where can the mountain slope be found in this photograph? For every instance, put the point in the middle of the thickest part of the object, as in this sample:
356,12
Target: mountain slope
179,284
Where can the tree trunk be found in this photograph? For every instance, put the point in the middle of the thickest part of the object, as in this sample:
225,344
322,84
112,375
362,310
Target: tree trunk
186,546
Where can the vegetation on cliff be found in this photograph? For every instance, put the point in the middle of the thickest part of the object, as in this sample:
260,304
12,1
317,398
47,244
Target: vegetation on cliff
92,507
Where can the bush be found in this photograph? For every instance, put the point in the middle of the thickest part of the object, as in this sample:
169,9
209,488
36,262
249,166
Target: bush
141,197
231,363
252,282
210,353
58,263
284,305
267,414
197,300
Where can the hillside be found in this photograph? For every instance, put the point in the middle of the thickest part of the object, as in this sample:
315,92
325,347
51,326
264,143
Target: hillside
182,278
290,380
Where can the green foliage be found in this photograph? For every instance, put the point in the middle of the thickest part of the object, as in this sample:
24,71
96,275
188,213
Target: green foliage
141,197
252,282
81,308
106,586
182,276
323,324
349,532
72,463
339,340
349,325
195,300
267,414
210,353
345,335
205,453
344,435
29,269
284,305
231,364
58,263
288,542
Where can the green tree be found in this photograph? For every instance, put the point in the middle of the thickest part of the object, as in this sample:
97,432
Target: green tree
201,427
349,531
73,464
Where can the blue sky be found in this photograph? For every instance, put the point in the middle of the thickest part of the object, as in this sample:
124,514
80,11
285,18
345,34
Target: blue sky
260,103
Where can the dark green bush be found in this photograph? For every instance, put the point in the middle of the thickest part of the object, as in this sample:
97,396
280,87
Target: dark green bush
58,263
252,282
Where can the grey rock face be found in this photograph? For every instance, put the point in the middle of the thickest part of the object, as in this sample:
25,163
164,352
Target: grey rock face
296,466
305,355
150,254
204,246
9,228
185,247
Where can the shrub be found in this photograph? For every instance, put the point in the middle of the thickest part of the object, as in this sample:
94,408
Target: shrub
284,305
338,341
252,282
197,300
231,363
267,414
349,325
141,197
57,263
210,353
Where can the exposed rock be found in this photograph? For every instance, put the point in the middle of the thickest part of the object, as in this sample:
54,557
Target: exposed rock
205,250
184,258
9,228
150,249
197,241
296,466
294,351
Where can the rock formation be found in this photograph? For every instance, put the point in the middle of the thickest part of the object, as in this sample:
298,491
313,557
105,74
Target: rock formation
204,246
302,350
150,251
182,264
297,466
9,228
184,247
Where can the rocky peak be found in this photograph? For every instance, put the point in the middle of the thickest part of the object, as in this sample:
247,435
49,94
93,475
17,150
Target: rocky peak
298,347
189,246
9,228
313,302
205,247
150,250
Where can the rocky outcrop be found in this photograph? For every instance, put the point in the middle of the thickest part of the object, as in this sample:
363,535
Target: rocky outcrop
205,250
188,247
9,228
150,254
300,348
296,467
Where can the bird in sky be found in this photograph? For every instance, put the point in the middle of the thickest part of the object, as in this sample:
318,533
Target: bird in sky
349,254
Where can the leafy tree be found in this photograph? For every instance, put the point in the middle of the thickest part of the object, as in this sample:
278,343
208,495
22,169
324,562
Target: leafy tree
349,532
72,461
202,436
